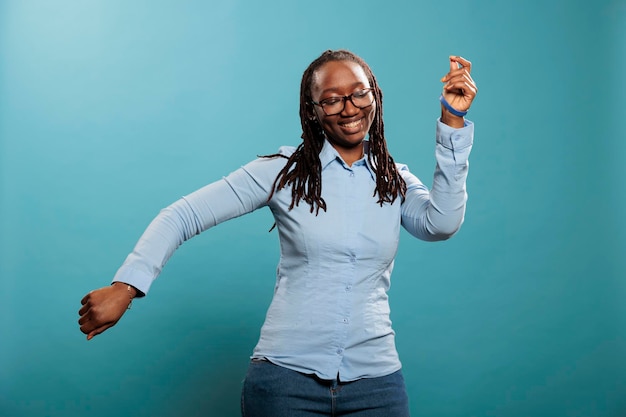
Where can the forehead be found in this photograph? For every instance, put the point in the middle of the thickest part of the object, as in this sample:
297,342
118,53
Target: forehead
338,76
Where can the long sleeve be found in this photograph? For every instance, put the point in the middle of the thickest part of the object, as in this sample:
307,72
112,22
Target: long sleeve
241,192
437,214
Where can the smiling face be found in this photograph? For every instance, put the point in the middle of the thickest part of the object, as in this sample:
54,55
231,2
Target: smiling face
346,130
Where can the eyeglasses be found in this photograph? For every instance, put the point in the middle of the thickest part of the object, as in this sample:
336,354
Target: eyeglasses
335,105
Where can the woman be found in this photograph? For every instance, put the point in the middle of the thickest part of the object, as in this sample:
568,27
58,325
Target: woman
338,199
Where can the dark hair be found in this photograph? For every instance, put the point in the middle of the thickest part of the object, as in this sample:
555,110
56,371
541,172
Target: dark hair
303,170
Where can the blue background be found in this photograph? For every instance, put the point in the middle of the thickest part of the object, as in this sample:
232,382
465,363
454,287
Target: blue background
110,110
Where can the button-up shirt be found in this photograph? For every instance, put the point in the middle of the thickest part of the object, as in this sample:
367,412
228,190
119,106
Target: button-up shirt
329,315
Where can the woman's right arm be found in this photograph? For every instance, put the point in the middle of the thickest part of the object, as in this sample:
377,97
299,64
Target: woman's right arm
239,193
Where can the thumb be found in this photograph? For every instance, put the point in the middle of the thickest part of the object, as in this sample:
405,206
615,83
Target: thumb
99,330
453,63
453,66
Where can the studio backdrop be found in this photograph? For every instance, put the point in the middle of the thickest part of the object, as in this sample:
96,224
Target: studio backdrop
111,110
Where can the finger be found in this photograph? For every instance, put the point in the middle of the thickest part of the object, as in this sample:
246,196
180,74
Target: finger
455,85
458,75
469,77
453,64
87,327
454,67
84,309
460,80
462,72
464,63
84,319
469,84
468,91
85,299
461,88
472,88
90,325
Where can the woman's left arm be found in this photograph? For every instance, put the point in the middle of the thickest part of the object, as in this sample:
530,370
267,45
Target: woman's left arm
438,213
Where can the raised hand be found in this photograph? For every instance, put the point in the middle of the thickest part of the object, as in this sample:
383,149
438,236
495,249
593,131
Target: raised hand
459,89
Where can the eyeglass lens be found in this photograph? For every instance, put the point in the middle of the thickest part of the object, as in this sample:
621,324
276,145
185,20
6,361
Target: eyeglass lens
335,105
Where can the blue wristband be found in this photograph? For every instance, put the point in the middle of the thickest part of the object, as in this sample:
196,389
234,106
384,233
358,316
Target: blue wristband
450,108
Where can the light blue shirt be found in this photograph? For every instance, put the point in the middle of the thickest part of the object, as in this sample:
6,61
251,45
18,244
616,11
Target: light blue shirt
330,311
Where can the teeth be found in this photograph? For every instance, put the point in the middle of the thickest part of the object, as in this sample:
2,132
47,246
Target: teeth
352,124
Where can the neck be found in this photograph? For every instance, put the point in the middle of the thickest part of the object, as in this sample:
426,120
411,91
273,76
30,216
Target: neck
350,155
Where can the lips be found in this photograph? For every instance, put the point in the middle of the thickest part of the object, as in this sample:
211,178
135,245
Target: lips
353,126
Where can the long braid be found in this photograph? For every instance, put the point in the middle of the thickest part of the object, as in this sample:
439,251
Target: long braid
303,171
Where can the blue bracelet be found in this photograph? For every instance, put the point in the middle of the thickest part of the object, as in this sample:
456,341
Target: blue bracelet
450,108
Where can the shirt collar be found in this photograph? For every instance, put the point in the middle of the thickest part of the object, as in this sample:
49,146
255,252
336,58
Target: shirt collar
329,154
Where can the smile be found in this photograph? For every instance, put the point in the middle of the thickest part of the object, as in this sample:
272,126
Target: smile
351,125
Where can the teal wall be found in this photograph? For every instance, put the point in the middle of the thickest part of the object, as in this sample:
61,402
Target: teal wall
110,110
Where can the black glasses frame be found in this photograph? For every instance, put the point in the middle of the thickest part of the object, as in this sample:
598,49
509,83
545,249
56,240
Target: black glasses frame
350,97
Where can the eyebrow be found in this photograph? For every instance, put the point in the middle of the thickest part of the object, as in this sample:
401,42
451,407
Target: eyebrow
334,89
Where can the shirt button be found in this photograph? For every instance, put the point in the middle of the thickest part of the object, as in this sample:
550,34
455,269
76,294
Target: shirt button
352,258
339,351
345,321
351,174
349,288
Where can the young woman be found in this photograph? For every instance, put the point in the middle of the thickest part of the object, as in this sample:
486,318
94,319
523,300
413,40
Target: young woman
338,200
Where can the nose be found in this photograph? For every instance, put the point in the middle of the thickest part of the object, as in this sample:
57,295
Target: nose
349,109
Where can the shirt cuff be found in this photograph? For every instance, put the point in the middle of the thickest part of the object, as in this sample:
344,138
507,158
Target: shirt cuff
455,139
138,279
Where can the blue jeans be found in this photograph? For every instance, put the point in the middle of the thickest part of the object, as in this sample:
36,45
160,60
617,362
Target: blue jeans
274,391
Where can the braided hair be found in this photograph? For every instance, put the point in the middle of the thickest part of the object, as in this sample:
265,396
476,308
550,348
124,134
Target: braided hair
303,170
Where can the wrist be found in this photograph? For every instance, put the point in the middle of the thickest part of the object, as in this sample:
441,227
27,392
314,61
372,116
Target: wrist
132,291
451,120
451,116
